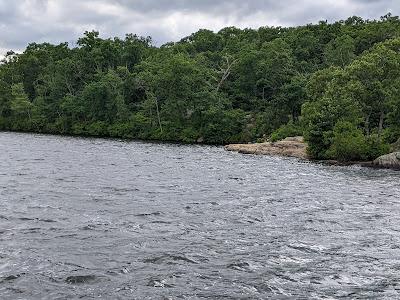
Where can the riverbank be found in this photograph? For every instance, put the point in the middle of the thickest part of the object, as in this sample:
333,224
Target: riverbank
297,148
290,147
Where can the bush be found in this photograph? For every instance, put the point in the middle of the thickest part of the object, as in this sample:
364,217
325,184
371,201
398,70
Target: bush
348,143
289,130
222,127
395,147
62,125
391,135
189,135
4,123
121,130
376,147
98,128
141,126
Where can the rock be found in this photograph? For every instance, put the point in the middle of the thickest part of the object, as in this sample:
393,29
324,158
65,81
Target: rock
391,160
291,147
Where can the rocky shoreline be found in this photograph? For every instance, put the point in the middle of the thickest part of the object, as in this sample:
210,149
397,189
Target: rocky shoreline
289,147
389,161
297,148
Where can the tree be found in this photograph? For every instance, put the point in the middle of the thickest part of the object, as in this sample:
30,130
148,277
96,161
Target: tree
20,104
320,117
377,70
181,85
102,100
236,85
275,68
292,95
318,82
225,70
340,51
361,93
5,96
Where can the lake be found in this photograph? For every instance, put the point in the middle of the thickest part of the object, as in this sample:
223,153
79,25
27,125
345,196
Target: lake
92,218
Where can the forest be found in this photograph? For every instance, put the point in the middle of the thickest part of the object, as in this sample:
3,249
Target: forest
337,84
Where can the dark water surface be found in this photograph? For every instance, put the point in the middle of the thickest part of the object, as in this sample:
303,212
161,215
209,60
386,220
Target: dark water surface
90,219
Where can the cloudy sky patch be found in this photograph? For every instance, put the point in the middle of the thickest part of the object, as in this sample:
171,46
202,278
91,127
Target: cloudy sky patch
25,21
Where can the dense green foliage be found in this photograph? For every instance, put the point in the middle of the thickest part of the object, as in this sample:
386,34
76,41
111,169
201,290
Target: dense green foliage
339,83
288,130
352,112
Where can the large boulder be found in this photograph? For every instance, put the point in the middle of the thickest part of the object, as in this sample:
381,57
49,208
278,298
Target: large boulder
391,160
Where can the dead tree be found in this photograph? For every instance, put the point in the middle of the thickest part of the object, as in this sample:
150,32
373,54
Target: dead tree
225,71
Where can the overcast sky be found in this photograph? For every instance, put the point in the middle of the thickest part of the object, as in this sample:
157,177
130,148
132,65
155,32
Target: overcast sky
24,21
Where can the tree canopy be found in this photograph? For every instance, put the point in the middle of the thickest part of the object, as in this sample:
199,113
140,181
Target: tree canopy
337,83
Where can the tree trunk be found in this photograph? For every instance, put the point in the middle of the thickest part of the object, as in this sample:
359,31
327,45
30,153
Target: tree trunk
225,72
381,120
367,124
294,116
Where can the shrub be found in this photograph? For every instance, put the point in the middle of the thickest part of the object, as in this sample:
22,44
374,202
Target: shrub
189,135
121,130
391,134
98,128
289,130
78,129
395,146
376,147
224,126
141,126
348,143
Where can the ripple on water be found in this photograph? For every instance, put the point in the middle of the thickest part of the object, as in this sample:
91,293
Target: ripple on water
89,218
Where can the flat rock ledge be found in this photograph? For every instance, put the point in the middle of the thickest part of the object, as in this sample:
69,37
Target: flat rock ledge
289,147
390,161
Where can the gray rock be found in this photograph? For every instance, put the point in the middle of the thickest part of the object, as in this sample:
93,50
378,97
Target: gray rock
391,160
200,140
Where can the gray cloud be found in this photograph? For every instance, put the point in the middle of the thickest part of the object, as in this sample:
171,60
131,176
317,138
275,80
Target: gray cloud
25,21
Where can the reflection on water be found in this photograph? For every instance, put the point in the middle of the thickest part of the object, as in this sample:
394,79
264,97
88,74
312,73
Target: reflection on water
90,218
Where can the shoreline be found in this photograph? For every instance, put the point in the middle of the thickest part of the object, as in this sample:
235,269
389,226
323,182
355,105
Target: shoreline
364,164
108,137
295,147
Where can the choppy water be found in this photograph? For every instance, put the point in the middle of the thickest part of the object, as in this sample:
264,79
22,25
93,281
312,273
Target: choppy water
90,218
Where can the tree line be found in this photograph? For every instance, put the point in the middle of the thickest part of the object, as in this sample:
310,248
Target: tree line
338,84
